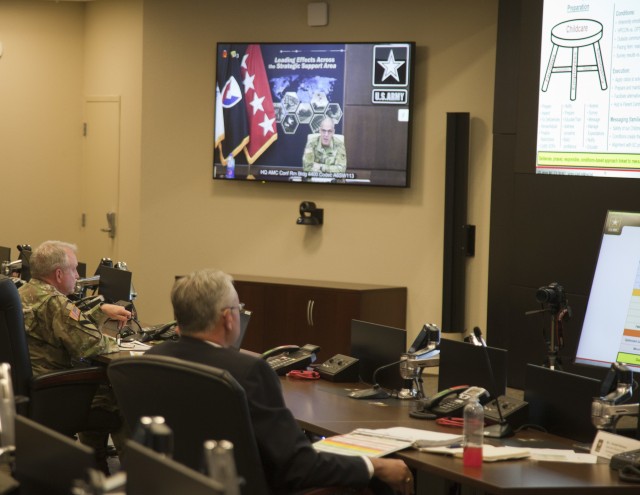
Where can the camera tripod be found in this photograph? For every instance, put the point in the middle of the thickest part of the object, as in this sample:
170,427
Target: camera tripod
555,342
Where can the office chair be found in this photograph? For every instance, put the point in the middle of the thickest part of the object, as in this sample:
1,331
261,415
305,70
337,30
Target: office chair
198,403
60,400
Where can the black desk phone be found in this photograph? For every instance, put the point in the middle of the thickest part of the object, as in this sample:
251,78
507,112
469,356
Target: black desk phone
628,465
449,402
285,358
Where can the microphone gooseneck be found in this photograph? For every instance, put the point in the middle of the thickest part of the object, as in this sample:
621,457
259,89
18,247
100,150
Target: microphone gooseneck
502,429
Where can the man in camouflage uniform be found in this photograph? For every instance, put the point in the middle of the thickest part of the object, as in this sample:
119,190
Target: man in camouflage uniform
325,152
60,336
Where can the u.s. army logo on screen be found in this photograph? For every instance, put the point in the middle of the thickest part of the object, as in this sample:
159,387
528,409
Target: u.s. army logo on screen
391,65
390,70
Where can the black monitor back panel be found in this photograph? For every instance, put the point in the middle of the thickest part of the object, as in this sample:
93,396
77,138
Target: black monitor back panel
115,284
561,402
375,346
149,473
462,363
47,462
5,254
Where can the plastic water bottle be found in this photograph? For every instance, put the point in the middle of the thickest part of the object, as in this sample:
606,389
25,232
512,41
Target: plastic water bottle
473,433
231,166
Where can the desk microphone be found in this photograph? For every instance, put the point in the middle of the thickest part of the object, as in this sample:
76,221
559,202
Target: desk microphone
502,429
375,392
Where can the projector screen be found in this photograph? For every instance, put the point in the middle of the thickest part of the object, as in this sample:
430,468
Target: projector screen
611,328
589,89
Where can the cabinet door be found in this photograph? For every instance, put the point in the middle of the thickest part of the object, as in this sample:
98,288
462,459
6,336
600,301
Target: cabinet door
323,317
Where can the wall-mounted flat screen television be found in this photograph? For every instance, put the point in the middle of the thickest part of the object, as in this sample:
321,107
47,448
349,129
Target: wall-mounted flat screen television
336,113
611,328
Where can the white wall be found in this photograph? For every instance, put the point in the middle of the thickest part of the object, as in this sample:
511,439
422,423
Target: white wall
40,121
374,236
158,55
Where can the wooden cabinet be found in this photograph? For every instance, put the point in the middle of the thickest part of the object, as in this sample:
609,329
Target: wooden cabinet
290,311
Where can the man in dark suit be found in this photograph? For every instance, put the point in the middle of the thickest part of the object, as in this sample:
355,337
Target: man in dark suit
206,307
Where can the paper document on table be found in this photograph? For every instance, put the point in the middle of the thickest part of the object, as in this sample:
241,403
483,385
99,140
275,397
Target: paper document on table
490,453
562,455
380,442
418,438
134,346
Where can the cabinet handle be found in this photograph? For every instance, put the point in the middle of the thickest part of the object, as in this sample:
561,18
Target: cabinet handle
310,304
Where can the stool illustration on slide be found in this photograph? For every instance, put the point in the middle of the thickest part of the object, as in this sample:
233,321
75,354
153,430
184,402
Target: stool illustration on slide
576,34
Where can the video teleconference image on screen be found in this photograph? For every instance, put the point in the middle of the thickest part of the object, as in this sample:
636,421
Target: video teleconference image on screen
335,113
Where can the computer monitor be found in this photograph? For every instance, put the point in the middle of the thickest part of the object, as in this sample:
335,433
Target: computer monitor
25,256
245,316
5,254
610,331
150,473
115,284
48,462
82,270
462,363
376,345
561,402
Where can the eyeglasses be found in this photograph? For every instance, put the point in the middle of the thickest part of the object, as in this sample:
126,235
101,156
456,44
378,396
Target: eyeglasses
239,307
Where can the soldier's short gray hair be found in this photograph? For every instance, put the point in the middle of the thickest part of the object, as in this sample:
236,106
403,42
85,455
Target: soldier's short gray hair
199,299
49,256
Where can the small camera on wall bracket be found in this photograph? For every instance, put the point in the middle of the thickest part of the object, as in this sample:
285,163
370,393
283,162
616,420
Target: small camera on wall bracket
310,214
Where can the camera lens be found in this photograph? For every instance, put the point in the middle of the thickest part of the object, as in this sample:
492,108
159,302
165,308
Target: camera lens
545,295
552,294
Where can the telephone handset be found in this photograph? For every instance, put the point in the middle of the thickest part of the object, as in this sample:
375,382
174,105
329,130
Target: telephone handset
449,402
285,358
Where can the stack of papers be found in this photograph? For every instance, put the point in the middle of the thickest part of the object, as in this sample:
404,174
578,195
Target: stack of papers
384,441
490,453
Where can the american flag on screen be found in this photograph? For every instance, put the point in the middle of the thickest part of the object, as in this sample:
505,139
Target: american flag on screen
258,103
245,117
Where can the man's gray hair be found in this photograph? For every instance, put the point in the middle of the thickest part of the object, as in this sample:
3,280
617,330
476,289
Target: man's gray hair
49,256
199,299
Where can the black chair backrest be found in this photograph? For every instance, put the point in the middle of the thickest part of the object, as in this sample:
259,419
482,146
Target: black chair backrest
198,403
13,339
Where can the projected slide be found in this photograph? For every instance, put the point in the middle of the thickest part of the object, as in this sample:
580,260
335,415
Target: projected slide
589,99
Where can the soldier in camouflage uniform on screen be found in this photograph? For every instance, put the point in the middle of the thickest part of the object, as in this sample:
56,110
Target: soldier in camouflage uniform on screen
60,336
325,152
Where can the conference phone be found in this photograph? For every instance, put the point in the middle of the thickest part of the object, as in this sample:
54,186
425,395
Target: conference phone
449,402
285,358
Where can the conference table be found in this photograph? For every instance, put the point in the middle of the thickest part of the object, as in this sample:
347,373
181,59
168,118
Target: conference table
323,408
